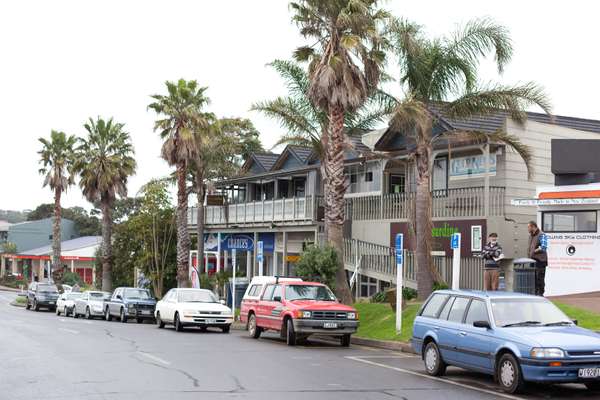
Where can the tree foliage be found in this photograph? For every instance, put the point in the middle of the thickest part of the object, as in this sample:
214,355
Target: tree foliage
86,223
318,264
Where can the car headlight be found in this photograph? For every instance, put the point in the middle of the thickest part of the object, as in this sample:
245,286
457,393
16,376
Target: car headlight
131,306
190,312
303,314
546,352
351,315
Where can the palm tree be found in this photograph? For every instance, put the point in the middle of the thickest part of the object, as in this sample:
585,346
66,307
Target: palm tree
179,111
443,73
345,64
105,160
57,158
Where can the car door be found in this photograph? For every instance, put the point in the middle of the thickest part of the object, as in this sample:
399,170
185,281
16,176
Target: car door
452,330
273,308
170,305
476,344
80,303
263,310
114,306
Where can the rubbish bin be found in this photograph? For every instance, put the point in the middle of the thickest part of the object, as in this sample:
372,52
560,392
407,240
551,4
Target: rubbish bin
241,285
524,275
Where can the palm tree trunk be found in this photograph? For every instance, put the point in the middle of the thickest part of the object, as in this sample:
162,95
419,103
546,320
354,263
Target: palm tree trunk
105,204
183,236
200,222
334,197
423,224
56,237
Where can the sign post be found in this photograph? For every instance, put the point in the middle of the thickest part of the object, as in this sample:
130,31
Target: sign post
399,263
455,245
234,265
259,256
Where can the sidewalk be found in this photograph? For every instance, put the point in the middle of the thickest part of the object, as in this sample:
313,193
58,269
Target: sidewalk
588,301
8,289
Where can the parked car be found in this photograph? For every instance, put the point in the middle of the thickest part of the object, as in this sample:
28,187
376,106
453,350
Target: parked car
66,303
129,302
296,309
67,288
41,294
90,304
516,338
193,307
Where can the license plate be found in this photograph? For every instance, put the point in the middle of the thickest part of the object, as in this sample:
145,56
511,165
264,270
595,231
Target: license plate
330,325
589,373
211,321
51,302
146,312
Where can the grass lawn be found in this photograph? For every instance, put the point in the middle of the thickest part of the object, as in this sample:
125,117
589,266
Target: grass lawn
378,321
21,300
585,319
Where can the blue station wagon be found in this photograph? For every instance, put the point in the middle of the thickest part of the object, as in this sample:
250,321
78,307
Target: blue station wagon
514,337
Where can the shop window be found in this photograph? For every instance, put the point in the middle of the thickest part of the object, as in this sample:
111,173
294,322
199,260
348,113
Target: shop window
569,221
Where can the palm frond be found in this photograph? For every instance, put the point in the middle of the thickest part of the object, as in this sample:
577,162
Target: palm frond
294,115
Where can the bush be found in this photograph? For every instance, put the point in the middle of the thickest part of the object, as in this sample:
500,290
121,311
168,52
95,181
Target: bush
318,264
409,293
21,300
72,278
378,297
440,286
207,281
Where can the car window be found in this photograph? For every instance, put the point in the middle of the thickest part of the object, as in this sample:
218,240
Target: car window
446,309
169,295
277,292
477,312
433,305
457,311
268,292
254,290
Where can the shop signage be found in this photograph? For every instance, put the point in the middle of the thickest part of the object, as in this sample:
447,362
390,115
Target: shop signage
471,166
238,241
444,231
554,202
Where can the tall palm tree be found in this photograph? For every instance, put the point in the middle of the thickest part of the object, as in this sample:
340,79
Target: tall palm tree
57,157
345,64
444,72
178,111
105,161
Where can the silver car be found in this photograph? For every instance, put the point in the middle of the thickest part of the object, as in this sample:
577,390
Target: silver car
90,304
66,303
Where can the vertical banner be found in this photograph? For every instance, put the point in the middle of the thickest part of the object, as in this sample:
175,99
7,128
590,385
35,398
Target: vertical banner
399,276
193,270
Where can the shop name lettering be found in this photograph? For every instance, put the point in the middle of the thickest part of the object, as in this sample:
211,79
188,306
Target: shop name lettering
238,243
573,236
444,231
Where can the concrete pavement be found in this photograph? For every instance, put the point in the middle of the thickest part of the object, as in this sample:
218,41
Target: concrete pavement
49,357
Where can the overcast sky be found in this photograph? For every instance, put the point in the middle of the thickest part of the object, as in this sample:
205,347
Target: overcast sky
64,61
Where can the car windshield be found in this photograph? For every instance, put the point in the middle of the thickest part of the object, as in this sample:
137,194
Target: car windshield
526,312
97,295
138,294
196,296
47,289
308,292
73,296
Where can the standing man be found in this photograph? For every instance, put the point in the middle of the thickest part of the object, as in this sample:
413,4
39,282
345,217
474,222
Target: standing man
538,253
492,253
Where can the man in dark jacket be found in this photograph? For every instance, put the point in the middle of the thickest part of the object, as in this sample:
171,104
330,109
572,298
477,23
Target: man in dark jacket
538,253
491,253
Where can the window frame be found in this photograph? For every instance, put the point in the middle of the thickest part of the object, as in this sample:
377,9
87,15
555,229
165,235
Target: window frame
544,213
262,297
464,315
437,314
487,314
281,292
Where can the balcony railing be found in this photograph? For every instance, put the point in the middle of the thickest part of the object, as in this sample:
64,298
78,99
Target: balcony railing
297,209
450,203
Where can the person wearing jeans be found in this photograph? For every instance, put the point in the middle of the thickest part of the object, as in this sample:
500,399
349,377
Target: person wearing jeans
491,272
538,253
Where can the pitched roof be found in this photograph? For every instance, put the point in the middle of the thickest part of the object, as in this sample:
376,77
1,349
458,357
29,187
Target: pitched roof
264,160
67,245
303,153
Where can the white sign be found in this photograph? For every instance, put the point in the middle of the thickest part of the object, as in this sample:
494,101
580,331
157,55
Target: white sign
554,202
471,166
573,263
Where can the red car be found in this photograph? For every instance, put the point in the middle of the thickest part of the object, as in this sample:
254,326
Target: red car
296,309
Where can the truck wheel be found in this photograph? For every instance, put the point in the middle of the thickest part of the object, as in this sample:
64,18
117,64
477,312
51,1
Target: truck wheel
509,374
345,340
107,315
253,329
177,323
226,329
290,334
159,321
66,311
123,317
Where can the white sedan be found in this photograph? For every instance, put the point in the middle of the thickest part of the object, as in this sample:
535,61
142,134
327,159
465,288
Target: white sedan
66,303
193,307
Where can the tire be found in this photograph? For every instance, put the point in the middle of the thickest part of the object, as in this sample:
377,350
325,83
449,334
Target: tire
594,386
159,321
253,329
434,364
74,315
107,315
66,311
36,306
226,329
290,334
203,328
52,309
28,305
177,323
345,340
122,316
508,374
139,320
58,311
88,314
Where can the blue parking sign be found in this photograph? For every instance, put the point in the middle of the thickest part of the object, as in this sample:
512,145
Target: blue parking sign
399,248
454,241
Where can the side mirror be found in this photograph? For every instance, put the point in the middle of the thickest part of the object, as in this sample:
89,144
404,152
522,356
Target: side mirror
575,322
119,297
277,299
482,324
222,301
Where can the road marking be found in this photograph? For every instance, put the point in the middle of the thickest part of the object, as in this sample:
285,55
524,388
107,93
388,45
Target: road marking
154,358
69,330
434,378
396,356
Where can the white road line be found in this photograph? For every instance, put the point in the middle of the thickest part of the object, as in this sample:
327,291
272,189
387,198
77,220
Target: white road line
154,358
69,330
396,356
434,378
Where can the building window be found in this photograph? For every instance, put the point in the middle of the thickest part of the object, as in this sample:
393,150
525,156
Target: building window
353,178
569,221
49,237
397,184
476,238
440,174
369,176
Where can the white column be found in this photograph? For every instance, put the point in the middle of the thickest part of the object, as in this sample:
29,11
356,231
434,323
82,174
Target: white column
225,260
72,265
219,252
2,266
249,265
94,274
285,266
254,258
41,270
275,269
205,263
486,182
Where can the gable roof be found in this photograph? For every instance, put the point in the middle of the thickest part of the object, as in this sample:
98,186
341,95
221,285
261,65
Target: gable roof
300,153
67,245
264,161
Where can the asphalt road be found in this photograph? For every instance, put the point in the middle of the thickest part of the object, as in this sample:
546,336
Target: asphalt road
43,356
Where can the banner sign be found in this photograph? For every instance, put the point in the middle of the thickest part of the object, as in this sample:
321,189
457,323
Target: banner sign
239,241
193,274
471,166
573,263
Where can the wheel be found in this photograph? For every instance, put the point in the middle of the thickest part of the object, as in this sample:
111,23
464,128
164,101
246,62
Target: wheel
177,323
345,340
203,328
509,374
36,306
74,315
139,320
434,365
159,321
28,305
66,311
290,334
595,386
123,317
253,329
57,311
52,309
88,314
107,315
226,329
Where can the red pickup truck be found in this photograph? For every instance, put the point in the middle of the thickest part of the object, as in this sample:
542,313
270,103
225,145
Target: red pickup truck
296,309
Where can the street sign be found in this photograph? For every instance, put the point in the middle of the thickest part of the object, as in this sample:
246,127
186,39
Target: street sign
399,261
455,241
544,241
455,244
259,256
399,248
